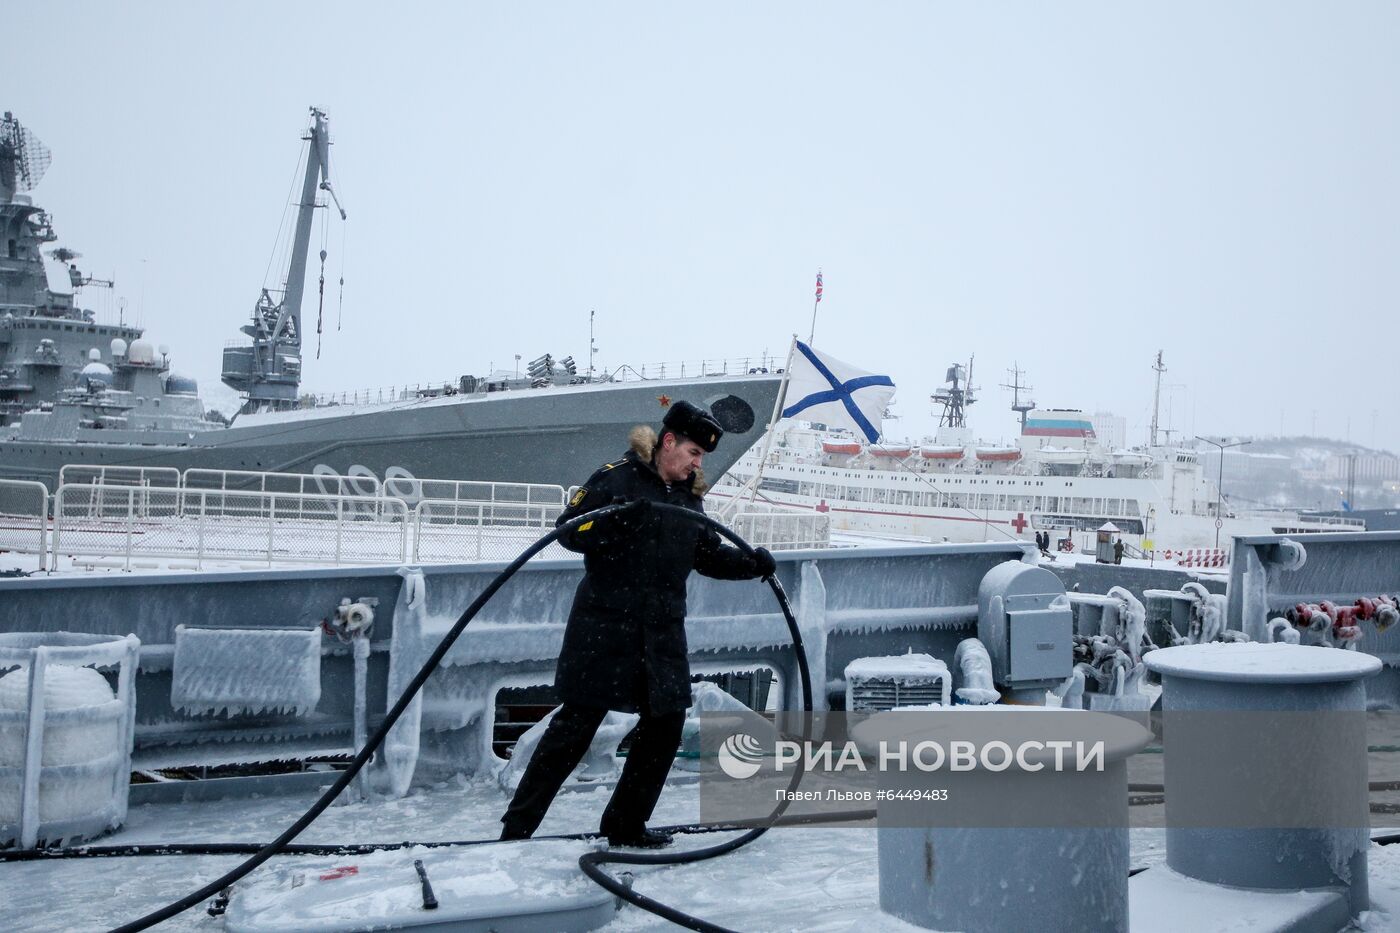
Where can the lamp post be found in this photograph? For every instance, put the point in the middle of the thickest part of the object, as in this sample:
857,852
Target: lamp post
1219,478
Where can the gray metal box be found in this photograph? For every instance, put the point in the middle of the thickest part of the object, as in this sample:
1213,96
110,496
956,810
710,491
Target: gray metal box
1025,621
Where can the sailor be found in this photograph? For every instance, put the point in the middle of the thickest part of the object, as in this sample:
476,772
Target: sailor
1118,550
624,645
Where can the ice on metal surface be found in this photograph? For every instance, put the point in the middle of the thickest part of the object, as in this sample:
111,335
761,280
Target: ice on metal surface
87,734
518,887
1276,663
246,670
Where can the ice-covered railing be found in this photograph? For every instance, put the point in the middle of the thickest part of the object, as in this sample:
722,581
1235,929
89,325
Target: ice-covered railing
322,483
361,482
413,490
784,530
1300,521
91,474
131,514
132,523
24,510
449,531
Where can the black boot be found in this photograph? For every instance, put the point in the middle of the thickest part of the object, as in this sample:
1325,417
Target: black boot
510,833
646,839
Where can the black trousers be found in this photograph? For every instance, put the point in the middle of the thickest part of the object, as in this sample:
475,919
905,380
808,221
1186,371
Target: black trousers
562,747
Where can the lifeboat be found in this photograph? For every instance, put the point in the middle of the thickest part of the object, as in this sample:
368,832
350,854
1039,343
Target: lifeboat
998,454
1131,458
895,451
1062,455
834,446
941,453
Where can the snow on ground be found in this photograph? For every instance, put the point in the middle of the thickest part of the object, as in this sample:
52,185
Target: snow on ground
796,878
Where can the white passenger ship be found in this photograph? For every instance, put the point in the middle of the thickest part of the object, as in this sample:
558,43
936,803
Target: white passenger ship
1057,477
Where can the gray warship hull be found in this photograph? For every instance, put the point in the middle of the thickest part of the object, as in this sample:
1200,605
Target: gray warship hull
549,435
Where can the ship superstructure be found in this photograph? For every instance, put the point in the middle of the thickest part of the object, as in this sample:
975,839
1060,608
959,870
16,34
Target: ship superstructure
46,338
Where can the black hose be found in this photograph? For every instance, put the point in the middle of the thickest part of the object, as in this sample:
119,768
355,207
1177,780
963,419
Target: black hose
591,863
375,740
281,843
161,849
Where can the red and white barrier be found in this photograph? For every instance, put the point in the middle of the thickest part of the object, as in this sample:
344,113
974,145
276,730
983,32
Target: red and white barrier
1200,557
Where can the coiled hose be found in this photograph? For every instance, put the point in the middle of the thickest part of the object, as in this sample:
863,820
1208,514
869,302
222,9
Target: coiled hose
591,863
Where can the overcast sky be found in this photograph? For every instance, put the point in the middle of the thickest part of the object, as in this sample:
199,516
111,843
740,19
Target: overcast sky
1070,186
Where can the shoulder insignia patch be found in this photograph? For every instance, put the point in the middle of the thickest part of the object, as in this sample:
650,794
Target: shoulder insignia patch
578,497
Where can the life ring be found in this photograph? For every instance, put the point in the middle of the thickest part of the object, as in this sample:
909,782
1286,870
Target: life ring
1168,554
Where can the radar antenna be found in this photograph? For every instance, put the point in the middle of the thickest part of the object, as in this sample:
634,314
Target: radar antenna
956,395
23,158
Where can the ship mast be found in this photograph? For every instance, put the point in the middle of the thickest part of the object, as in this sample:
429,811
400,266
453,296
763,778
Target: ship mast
269,371
956,395
1017,387
1157,395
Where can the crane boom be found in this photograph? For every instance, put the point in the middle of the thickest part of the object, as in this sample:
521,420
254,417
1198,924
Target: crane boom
269,371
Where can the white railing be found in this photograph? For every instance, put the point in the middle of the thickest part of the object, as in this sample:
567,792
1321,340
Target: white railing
319,483
694,369
24,517
93,475
784,531
413,491
200,525
449,530
268,517
381,394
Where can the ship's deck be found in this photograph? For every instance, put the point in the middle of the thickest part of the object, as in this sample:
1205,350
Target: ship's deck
794,878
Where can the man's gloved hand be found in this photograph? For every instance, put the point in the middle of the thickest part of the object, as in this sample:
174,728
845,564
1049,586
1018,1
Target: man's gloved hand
763,563
631,519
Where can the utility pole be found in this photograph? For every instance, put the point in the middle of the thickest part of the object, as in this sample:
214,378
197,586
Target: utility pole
1351,480
1156,396
1219,475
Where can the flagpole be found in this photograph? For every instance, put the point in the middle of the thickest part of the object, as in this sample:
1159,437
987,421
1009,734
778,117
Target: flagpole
751,487
812,332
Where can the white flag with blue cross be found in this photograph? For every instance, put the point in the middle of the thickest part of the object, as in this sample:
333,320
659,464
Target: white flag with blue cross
822,388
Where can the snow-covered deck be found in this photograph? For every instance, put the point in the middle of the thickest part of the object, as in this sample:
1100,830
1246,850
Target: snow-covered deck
794,878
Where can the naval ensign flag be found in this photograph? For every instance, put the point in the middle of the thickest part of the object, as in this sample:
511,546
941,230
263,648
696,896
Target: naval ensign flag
822,388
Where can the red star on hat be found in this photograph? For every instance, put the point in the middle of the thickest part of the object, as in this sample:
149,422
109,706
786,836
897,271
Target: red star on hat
665,400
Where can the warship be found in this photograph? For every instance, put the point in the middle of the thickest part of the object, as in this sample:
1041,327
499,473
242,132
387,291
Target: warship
74,390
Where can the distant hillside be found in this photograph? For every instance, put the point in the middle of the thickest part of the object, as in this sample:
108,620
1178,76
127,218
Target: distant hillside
1307,473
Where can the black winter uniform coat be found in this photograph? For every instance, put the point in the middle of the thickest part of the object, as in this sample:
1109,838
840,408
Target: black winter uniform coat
625,639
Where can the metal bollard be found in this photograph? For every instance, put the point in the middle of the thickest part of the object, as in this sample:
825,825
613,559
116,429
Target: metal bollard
1265,765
